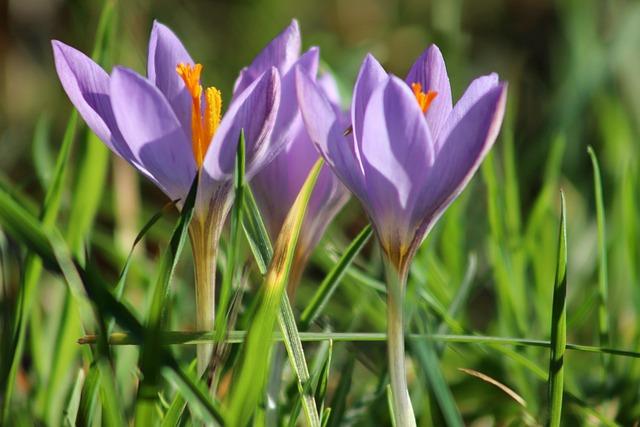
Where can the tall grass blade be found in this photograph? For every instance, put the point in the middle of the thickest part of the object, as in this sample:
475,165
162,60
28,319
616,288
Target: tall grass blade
292,343
33,266
174,414
252,373
70,413
558,324
256,232
234,240
150,365
339,400
428,360
332,280
603,277
24,227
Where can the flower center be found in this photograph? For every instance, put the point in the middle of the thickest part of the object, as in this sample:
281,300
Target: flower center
424,99
204,118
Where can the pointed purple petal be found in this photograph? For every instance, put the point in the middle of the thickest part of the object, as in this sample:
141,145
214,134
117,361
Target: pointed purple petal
254,111
330,87
476,90
467,145
371,76
152,131
282,52
288,111
327,131
87,86
396,141
430,71
165,53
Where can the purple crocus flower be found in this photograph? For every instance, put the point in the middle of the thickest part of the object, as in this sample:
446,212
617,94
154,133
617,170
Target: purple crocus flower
170,129
283,54
164,127
407,154
277,185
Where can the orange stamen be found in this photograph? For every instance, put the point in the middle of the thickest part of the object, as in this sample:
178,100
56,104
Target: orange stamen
204,121
424,99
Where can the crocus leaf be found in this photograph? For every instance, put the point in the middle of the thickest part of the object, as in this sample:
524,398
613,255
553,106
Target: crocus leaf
254,364
234,240
33,264
332,280
603,281
71,411
23,226
256,232
149,363
558,324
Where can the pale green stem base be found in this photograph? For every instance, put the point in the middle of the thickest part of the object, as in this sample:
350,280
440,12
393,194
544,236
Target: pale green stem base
396,284
204,247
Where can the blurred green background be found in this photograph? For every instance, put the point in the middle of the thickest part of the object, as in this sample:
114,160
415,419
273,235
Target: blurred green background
573,68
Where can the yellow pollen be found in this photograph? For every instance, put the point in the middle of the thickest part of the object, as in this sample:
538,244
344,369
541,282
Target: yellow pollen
424,99
204,121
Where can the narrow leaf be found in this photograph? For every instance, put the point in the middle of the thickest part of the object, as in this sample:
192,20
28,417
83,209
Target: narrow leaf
332,280
254,365
558,324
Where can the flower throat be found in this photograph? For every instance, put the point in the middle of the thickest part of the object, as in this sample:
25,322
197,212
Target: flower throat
424,99
204,118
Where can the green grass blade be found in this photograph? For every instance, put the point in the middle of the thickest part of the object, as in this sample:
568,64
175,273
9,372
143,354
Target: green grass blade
24,227
339,400
256,232
195,393
253,370
558,324
33,264
236,337
71,411
392,415
88,398
234,239
292,343
174,414
428,360
603,281
323,377
150,365
43,162
332,280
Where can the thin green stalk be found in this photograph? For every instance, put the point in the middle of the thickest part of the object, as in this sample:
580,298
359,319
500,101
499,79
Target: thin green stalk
558,325
396,283
603,284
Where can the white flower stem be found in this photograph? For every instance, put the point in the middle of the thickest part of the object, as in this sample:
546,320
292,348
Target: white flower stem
204,247
396,284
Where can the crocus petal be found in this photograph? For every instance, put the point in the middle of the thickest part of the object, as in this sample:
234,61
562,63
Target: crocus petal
87,85
430,71
282,52
152,131
396,142
254,111
328,84
371,76
165,53
277,185
327,131
477,89
288,111
466,146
